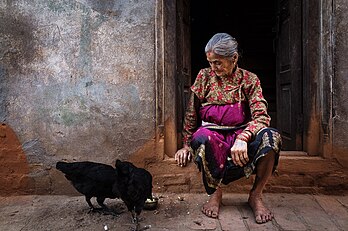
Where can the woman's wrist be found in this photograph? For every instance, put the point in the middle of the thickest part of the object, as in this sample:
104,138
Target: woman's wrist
245,136
188,149
186,146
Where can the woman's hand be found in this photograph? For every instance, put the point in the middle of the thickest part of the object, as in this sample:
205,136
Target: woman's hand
182,156
239,153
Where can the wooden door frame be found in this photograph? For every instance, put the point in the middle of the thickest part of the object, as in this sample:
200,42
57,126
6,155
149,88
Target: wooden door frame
317,72
326,76
165,83
318,76
317,82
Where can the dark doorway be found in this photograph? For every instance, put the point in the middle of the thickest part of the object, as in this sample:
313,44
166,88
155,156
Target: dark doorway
253,24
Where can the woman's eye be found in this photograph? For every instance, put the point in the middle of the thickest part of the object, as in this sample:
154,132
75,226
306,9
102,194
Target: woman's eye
215,63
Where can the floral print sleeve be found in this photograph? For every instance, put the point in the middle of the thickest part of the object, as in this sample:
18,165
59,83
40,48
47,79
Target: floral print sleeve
257,103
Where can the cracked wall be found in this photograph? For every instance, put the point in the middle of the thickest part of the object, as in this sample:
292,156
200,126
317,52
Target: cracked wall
77,80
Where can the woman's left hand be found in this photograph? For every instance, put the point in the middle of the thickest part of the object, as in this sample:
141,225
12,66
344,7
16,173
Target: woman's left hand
239,153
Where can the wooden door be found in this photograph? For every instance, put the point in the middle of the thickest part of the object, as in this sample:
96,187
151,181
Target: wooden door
183,75
289,73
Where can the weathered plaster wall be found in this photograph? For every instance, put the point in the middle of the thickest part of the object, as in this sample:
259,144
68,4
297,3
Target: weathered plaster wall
340,83
77,80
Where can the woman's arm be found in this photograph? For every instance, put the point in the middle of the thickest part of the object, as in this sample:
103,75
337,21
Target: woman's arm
191,119
258,108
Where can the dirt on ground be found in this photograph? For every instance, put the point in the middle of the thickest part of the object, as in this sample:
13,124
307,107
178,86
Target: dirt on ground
175,212
52,213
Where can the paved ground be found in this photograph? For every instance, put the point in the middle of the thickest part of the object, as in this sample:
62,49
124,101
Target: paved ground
175,212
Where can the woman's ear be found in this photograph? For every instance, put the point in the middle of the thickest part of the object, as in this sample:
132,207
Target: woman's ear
235,57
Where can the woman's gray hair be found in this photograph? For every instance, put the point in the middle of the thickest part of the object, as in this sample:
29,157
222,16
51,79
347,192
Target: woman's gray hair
222,44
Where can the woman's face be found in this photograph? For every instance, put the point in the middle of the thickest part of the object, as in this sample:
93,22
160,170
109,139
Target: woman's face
221,65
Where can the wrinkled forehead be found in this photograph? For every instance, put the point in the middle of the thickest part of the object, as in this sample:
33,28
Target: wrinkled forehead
211,56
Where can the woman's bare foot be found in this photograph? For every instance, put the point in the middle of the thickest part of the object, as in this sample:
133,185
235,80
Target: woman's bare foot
261,213
212,207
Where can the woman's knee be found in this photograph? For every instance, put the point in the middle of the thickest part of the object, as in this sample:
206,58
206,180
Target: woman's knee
201,136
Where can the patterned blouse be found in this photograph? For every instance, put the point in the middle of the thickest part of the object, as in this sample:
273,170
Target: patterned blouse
242,85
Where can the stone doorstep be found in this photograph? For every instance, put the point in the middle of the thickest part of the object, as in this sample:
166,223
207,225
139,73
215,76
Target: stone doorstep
295,174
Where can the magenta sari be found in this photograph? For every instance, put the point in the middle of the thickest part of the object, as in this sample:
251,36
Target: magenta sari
220,127
212,143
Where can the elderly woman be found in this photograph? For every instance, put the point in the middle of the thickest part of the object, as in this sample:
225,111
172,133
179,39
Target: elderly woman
226,128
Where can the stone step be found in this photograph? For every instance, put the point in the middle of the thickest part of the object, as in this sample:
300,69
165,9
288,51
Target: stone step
295,174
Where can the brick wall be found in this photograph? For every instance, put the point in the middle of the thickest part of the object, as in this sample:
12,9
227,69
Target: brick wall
14,168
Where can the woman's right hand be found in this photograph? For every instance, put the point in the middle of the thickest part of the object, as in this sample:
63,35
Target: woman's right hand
182,156
239,153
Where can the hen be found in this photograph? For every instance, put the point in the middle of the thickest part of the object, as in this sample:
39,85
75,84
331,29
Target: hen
134,186
92,180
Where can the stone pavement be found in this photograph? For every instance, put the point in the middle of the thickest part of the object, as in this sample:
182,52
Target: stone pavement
175,212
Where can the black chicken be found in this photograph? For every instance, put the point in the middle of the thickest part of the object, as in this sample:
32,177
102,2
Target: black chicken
134,186
92,180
